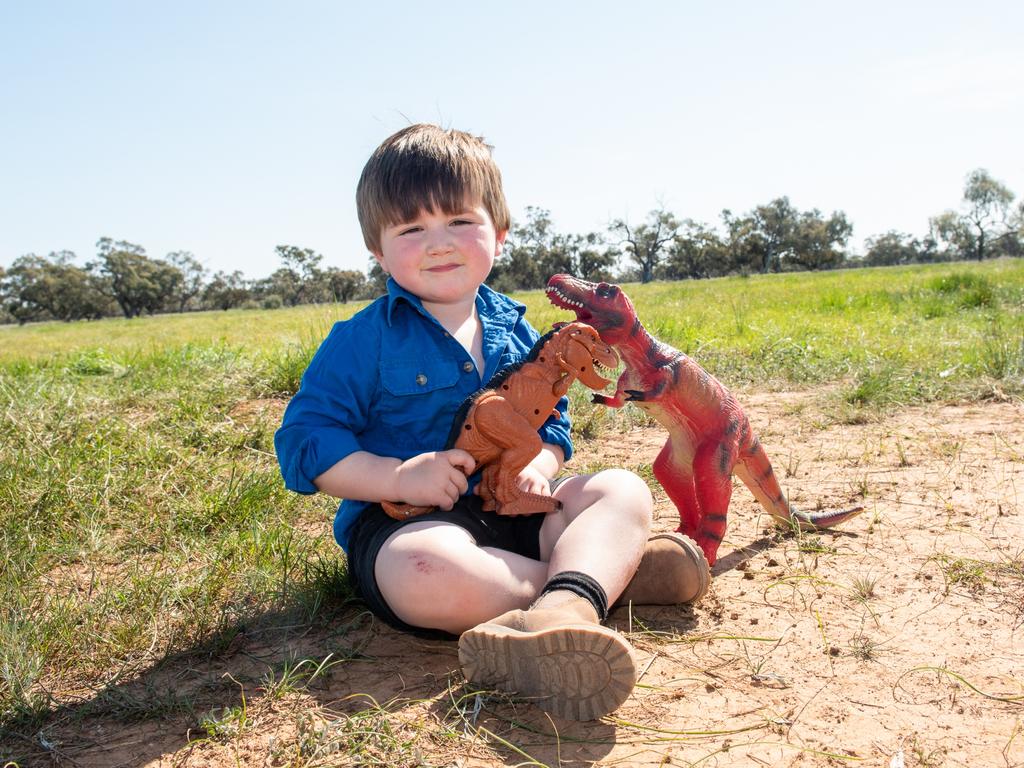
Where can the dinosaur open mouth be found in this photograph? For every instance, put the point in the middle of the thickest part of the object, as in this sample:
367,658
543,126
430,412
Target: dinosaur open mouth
603,361
559,299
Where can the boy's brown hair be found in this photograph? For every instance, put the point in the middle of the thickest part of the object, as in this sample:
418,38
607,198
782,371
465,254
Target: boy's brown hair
425,167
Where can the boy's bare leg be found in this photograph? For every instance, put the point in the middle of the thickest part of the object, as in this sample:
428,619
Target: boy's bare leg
433,575
601,530
674,570
557,653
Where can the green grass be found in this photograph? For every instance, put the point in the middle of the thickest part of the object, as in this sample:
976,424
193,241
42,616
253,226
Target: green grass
142,514
141,509
254,330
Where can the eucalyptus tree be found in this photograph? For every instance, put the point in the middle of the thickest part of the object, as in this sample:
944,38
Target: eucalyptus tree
131,278
647,243
984,226
193,278
987,205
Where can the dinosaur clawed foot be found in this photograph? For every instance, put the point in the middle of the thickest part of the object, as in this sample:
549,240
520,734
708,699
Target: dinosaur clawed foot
530,503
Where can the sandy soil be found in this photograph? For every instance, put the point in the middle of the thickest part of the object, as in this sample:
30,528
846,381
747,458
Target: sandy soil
897,641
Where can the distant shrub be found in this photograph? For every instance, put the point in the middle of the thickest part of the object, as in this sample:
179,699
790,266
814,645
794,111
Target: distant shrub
968,289
1001,355
94,362
284,368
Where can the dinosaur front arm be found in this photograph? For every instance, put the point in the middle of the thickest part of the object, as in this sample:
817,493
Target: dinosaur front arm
630,388
611,402
562,384
626,381
622,397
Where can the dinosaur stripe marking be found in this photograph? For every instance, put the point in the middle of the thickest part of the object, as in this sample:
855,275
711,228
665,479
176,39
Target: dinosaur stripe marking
723,460
675,375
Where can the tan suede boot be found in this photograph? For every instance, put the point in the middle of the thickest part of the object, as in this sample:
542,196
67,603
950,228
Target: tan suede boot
673,570
556,655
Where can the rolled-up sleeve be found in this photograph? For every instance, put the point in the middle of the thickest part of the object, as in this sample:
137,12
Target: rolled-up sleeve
323,419
556,431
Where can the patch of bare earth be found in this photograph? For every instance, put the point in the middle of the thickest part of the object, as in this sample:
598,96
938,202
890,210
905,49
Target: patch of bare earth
897,640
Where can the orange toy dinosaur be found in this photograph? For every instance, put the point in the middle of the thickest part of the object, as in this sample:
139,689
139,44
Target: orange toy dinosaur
709,437
498,425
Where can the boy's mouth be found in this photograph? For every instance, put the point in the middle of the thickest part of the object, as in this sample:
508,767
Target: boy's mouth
443,268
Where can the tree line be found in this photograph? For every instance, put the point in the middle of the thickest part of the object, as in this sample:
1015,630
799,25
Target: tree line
775,237
124,280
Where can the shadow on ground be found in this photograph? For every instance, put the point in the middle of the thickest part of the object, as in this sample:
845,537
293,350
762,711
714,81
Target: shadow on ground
368,674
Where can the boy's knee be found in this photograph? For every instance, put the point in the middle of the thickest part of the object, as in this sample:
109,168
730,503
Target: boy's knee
427,589
628,490
628,493
411,581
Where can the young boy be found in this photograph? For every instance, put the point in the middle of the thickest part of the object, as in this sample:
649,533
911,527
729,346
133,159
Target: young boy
526,593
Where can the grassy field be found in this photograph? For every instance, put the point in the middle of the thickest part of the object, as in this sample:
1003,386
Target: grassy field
142,517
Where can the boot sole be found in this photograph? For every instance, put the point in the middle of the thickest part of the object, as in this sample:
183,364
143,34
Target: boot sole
576,671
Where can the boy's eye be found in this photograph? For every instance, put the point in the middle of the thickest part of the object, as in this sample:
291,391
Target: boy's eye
408,230
462,221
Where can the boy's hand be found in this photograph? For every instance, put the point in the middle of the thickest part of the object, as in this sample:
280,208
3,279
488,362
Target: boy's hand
435,479
532,480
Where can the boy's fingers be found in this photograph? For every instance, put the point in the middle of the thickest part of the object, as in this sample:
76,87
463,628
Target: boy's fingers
453,491
460,458
449,495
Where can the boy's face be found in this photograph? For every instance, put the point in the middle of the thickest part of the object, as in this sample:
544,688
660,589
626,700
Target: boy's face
442,258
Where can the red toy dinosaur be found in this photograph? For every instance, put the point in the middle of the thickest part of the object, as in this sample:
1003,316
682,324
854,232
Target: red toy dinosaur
498,424
709,437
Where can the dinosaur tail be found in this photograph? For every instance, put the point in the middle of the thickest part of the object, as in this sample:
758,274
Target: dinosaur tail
755,470
401,511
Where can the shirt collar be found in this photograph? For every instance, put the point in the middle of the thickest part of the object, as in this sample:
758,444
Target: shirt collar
396,294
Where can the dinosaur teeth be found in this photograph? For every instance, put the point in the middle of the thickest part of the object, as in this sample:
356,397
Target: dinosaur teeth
562,297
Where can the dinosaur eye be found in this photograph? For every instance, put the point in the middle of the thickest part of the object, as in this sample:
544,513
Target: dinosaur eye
606,291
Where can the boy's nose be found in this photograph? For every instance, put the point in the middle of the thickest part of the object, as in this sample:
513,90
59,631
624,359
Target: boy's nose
439,244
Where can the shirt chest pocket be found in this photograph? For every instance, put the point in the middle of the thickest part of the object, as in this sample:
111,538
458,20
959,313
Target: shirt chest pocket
418,401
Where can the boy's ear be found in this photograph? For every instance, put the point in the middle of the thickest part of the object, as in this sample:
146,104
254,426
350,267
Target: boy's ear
500,241
379,258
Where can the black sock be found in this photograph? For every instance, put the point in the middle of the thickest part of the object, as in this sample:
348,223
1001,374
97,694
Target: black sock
580,584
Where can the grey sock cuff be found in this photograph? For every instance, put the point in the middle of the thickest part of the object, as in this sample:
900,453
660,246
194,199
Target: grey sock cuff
580,584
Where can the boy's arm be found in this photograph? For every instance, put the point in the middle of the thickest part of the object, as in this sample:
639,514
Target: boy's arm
545,465
434,479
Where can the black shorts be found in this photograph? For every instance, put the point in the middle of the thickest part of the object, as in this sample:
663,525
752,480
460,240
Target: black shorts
518,534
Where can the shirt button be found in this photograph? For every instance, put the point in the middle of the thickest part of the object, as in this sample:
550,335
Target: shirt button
467,367
421,379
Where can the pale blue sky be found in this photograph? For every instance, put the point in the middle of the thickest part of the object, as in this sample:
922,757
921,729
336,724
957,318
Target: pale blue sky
226,128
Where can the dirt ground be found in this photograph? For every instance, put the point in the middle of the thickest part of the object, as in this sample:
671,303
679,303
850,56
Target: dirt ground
896,641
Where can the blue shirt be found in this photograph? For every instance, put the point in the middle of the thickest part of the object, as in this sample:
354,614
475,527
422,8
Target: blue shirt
389,381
